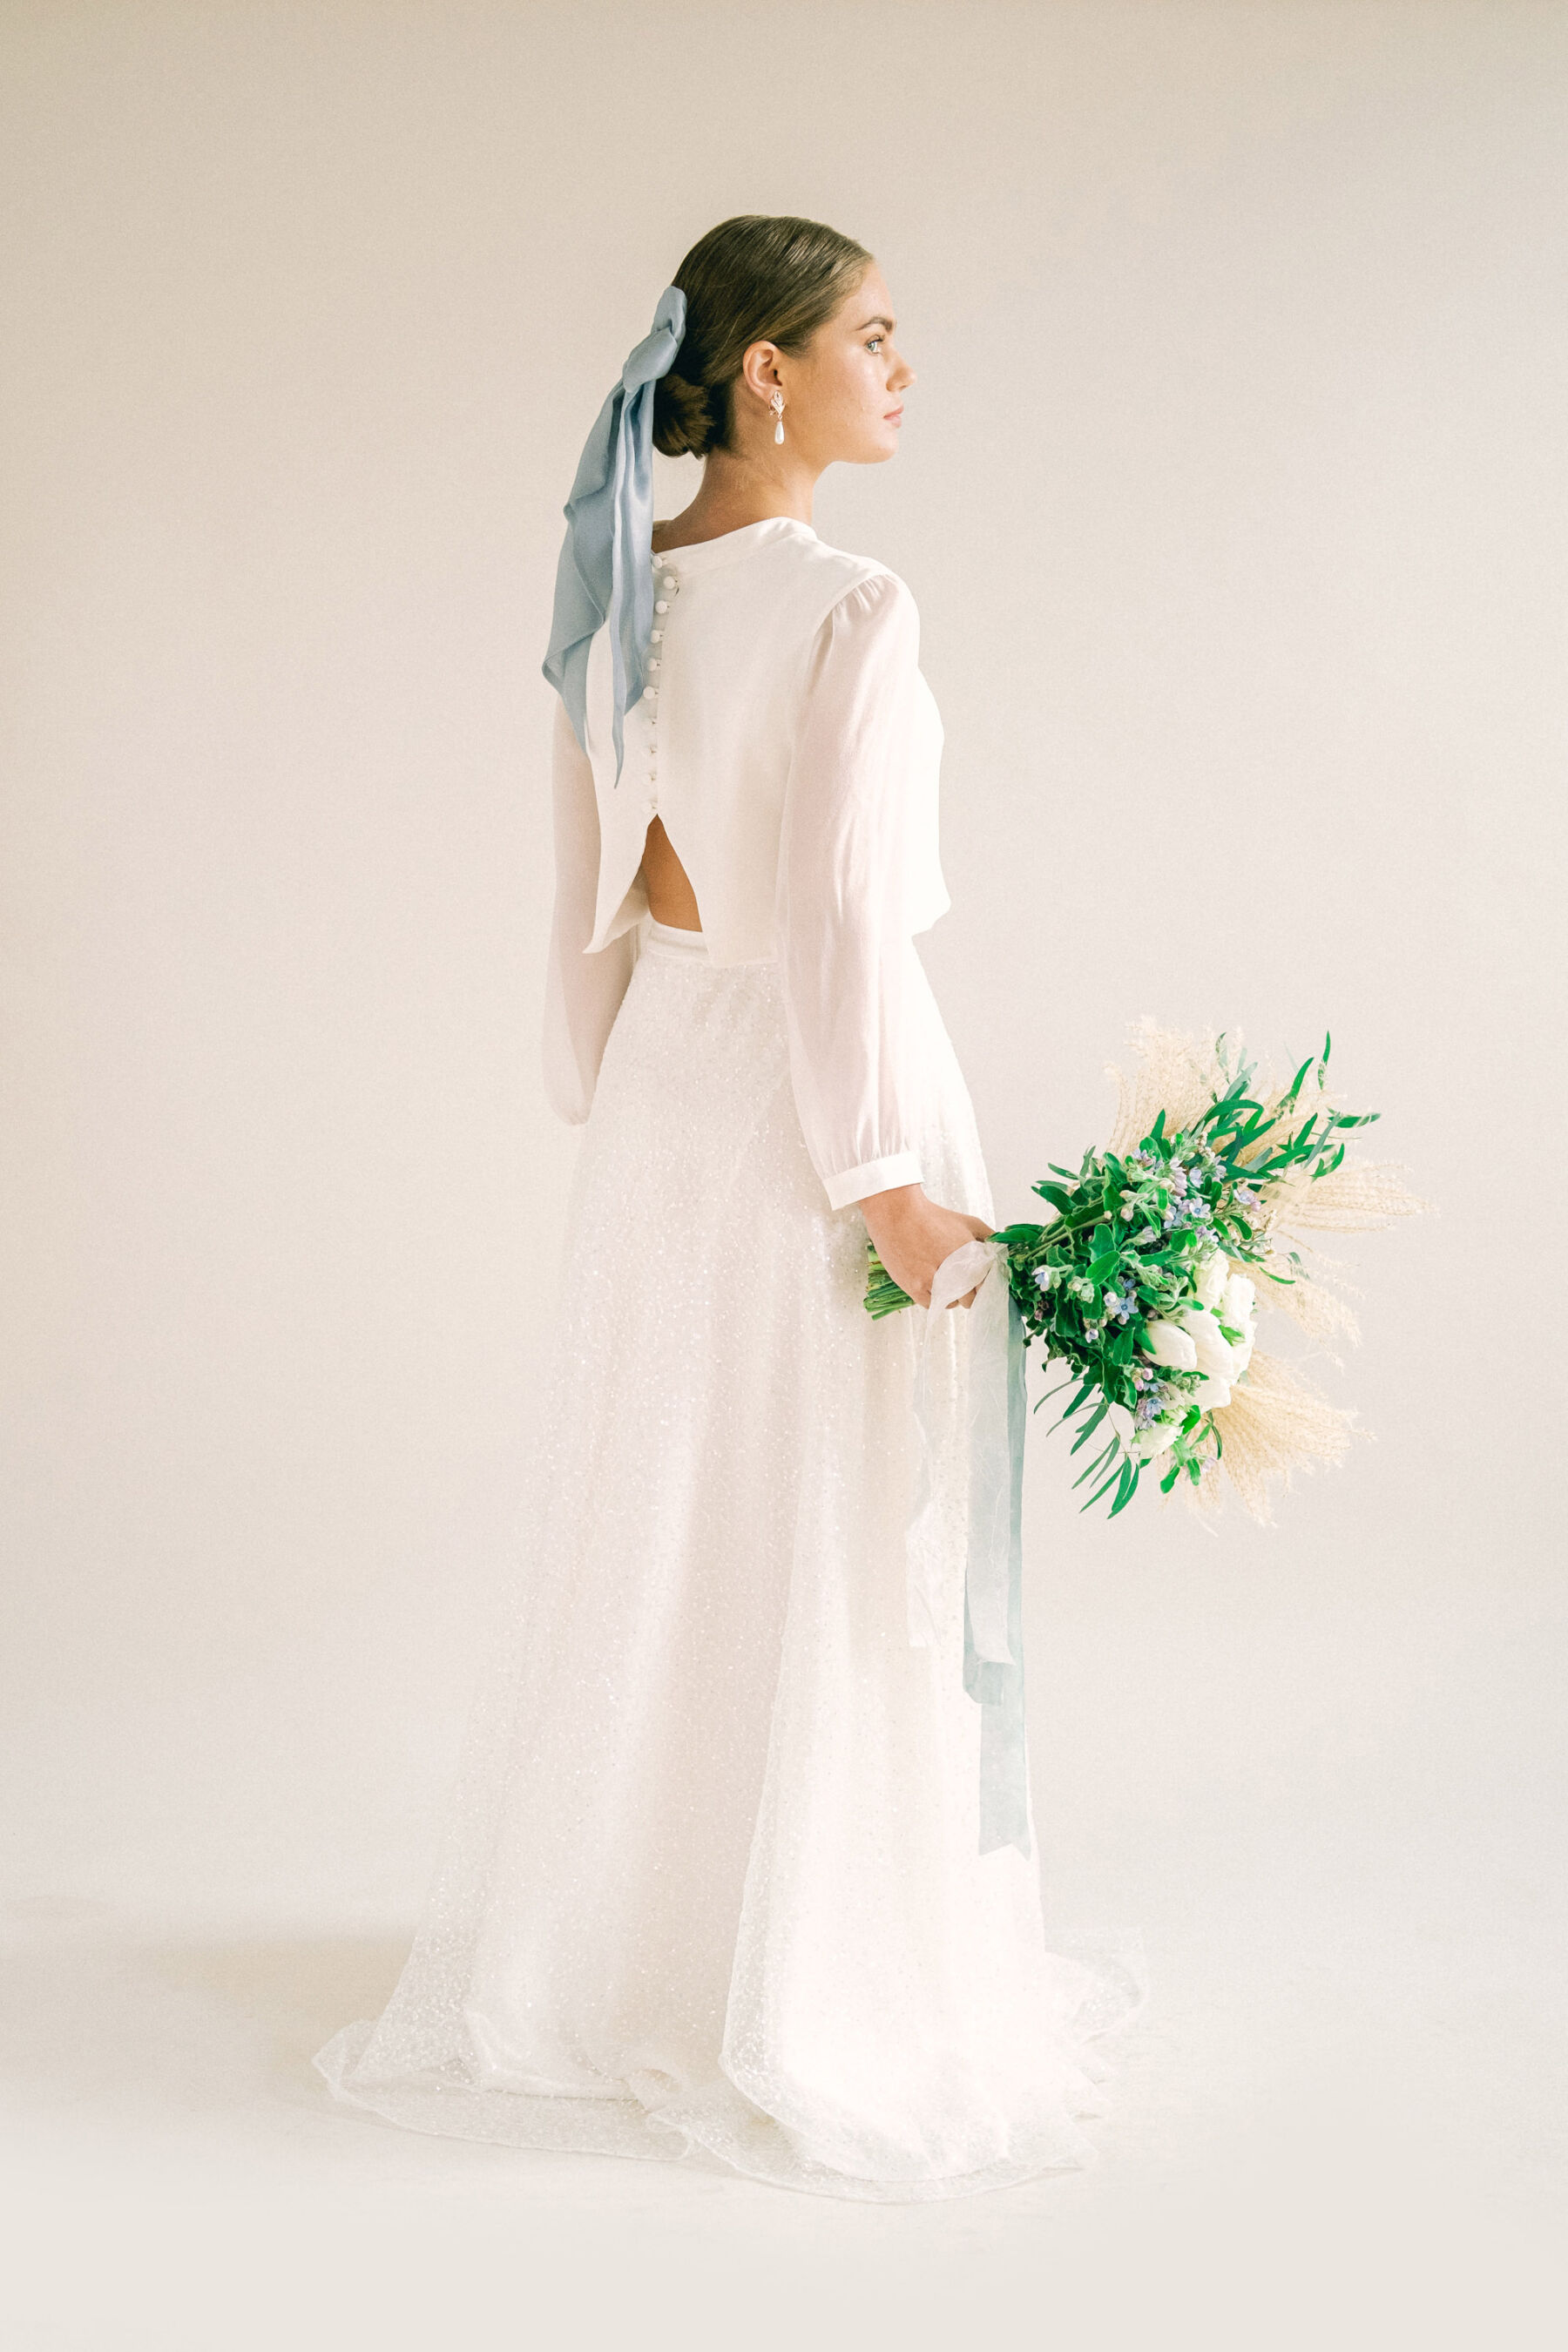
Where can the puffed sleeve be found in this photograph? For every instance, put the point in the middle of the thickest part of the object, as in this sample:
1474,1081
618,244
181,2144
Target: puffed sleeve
581,992
845,946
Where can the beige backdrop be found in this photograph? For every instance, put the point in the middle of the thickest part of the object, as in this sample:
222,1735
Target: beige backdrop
1232,493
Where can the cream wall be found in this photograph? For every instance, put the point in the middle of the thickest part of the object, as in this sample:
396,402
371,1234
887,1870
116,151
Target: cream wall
1233,496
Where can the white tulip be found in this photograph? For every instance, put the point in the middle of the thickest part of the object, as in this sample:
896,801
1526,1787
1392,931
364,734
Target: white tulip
1243,1354
1238,1302
1166,1345
1210,1393
1154,1438
1212,1350
1211,1278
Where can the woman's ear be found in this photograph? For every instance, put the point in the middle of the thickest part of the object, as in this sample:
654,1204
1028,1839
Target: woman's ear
759,370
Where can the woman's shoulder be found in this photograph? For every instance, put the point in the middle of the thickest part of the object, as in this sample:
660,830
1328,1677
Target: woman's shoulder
836,567
781,556
849,588
778,579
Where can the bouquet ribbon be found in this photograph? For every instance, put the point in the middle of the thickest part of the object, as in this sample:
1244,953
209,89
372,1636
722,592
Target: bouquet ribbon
986,1497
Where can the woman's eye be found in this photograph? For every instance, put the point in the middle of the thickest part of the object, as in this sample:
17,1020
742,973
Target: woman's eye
874,343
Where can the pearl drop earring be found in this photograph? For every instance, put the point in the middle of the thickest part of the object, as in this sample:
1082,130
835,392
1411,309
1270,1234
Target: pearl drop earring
777,405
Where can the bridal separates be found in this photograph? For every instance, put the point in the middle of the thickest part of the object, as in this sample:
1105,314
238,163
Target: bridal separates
710,1887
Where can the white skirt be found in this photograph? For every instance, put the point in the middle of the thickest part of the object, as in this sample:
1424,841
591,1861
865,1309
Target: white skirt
711,1887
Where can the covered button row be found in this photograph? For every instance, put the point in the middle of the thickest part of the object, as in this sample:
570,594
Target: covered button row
670,586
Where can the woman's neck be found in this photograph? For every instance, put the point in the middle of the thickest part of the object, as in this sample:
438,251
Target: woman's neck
735,491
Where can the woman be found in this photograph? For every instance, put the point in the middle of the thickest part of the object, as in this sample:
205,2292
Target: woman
713,1887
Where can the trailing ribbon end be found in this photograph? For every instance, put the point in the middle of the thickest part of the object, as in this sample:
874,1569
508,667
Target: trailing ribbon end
998,1688
603,574
994,1407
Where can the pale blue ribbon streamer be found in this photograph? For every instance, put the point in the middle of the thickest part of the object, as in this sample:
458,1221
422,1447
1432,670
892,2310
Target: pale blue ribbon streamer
998,1684
993,1403
604,574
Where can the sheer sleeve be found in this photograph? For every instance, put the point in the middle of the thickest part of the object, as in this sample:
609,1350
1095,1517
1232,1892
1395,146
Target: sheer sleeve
581,992
845,943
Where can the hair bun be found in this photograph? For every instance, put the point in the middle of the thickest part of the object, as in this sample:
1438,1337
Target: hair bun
682,420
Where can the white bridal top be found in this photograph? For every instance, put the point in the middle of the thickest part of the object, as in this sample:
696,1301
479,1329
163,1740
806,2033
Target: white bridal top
790,744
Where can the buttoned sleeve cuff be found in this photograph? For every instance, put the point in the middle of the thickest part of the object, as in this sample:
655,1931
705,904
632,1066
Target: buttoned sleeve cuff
872,1176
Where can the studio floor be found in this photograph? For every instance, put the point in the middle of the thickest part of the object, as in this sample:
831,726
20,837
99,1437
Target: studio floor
1340,2123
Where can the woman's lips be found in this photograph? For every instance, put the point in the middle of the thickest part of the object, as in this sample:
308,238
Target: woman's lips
894,416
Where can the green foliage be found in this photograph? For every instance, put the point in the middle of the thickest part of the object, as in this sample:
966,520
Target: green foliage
1122,1251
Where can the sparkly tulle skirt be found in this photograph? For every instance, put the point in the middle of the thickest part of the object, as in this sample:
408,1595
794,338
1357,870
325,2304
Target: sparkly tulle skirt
709,1889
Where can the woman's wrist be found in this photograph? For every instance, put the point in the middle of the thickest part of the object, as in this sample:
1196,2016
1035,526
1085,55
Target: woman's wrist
893,1210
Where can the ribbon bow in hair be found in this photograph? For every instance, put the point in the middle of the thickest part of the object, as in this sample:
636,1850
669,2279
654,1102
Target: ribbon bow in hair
605,571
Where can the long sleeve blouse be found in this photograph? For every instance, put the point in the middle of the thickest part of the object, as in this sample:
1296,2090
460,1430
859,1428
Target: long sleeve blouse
791,746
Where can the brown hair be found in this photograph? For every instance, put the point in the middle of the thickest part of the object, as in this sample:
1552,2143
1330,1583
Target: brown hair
760,277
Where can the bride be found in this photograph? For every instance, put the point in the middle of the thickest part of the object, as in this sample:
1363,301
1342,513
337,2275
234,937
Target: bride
718,1883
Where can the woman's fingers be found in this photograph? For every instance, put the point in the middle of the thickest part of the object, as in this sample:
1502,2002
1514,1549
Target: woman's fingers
909,1229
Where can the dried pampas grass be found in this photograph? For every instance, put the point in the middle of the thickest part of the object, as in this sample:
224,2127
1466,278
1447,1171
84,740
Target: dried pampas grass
1276,1424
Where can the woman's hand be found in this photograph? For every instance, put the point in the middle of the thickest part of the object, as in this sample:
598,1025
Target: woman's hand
913,1236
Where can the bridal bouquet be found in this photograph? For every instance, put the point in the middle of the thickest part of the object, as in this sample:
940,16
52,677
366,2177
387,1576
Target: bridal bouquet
1146,1284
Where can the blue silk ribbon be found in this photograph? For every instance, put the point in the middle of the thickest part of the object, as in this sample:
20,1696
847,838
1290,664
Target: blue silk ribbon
998,1684
982,1423
605,572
